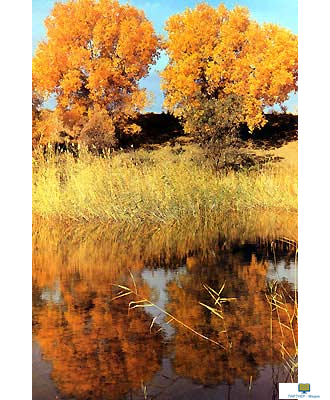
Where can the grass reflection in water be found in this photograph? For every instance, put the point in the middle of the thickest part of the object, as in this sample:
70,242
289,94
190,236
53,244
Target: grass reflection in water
99,350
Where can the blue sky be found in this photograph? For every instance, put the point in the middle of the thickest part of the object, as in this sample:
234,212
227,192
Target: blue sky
282,12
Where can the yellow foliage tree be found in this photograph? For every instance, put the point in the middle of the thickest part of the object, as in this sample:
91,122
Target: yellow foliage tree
95,54
215,52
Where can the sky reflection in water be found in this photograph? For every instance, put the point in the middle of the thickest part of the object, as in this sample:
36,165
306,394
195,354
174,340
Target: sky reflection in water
87,346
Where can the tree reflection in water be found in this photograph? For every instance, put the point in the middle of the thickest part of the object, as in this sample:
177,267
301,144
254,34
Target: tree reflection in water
100,351
247,321
97,350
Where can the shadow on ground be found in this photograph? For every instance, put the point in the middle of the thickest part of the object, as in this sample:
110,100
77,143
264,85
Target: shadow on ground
279,130
158,129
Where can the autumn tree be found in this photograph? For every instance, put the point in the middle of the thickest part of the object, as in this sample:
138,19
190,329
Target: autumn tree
94,56
215,53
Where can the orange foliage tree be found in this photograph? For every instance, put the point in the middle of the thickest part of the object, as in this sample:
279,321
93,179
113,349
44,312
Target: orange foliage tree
215,52
95,54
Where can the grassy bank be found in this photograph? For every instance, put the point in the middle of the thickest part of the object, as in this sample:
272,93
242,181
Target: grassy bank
163,186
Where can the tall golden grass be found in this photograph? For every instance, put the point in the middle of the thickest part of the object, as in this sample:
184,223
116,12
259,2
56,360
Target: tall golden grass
284,305
162,186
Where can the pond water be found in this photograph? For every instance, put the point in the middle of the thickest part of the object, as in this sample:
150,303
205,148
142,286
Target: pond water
88,344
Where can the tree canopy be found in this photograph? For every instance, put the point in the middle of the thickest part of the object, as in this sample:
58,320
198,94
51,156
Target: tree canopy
215,52
95,54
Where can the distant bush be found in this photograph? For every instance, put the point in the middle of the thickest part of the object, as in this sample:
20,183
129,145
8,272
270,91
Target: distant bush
231,154
216,124
99,130
47,128
96,129
214,119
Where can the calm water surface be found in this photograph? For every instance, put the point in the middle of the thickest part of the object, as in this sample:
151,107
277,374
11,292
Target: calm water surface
88,346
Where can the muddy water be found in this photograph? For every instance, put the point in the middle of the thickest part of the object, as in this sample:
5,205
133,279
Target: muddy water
88,345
